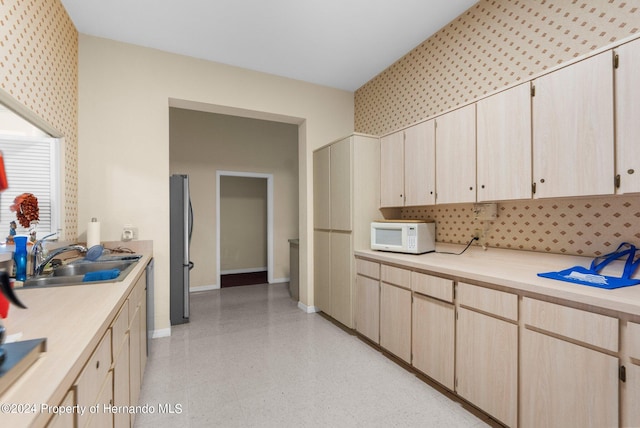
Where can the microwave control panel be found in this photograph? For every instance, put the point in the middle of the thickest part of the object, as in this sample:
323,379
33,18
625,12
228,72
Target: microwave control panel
412,238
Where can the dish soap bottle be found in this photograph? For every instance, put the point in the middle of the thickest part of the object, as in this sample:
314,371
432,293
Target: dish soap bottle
20,257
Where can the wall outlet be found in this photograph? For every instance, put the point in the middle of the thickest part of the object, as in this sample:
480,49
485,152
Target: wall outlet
478,233
485,211
129,233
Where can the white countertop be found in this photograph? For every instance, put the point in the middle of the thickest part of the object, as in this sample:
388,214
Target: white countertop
517,271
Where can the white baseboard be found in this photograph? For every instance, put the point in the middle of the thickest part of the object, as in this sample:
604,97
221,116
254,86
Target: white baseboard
163,332
279,280
245,270
203,288
308,309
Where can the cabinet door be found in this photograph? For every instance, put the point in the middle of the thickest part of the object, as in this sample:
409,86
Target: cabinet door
420,164
631,397
121,385
487,364
321,189
134,359
504,145
341,278
340,184
433,339
367,308
321,271
566,385
395,321
392,170
456,156
102,419
627,114
573,130
63,420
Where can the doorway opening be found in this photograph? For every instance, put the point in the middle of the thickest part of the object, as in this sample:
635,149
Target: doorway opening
244,222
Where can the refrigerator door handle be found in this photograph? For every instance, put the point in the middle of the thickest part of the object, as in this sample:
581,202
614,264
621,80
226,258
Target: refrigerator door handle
186,292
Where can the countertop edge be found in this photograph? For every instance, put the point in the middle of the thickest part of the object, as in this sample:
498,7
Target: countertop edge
517,272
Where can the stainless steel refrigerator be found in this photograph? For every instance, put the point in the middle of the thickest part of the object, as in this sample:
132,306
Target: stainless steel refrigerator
181,225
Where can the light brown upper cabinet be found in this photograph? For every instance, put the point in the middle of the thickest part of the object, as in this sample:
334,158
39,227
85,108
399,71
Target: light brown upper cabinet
504,145
407,166
456,156
627,115
573,130
392,170
419,164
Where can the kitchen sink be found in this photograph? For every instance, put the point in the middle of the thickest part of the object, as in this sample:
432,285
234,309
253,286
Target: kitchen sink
73,273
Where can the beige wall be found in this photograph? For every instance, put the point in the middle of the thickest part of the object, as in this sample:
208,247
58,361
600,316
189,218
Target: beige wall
494,44
243,224
125,93
201,144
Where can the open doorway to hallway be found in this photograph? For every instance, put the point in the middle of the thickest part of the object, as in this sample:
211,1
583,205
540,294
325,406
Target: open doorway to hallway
244,220
243,230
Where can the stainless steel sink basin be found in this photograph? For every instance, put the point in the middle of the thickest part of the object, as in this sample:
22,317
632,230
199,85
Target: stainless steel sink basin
83,268
74,272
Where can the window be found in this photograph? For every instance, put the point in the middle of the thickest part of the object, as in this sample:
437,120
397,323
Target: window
31,164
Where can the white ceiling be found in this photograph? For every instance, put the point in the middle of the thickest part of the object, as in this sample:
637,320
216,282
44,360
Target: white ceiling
337,43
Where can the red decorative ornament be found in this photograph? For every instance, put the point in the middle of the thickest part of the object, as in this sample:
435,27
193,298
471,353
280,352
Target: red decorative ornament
26,209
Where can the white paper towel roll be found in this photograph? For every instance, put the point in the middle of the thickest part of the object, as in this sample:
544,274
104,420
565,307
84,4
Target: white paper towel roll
93,233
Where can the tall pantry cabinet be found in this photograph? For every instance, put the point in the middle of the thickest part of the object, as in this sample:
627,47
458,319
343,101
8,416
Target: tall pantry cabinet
346,192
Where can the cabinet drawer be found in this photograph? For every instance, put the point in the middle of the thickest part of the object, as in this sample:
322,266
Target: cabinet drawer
633,340
592,329
432,286
487,300
91,379
367,268
396,276
119,329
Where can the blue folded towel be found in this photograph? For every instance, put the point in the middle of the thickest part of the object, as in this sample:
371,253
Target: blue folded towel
101,275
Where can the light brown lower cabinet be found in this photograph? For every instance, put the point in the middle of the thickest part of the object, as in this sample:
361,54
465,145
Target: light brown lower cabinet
395,320
566,385
103,418
567,378
433,339
64,420
631,396
367,308
113,374
90,383
525,361
487,364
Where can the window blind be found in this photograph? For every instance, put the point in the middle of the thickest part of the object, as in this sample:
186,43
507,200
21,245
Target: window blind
31,166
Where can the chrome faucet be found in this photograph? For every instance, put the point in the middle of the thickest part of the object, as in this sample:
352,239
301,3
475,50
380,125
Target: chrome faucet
38,251
40,260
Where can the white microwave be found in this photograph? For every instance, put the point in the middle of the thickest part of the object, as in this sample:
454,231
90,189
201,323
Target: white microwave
403,236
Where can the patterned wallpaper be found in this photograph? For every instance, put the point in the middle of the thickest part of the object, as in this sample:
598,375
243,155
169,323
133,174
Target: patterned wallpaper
39,68
494,44
589,227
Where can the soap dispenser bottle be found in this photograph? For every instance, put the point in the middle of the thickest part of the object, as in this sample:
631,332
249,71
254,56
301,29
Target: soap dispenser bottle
20,257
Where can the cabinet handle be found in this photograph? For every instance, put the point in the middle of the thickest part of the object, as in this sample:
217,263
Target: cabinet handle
98,364
542,180
482,186
471,188
616,181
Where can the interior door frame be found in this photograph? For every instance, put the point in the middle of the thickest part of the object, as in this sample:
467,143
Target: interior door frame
269,178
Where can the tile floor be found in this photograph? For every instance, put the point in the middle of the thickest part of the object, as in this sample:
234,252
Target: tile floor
251,358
